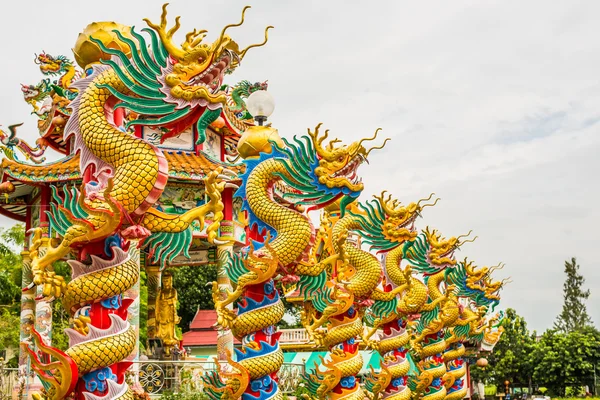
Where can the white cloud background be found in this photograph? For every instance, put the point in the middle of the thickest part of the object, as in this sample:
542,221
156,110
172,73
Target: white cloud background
492,105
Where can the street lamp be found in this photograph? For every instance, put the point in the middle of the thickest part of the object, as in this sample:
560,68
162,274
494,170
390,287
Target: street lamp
261,105
258,138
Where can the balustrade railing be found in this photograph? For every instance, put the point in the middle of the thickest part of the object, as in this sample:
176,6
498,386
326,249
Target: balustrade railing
9,378
157,377
298,336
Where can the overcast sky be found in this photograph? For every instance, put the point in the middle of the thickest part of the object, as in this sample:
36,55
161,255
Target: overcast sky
492,105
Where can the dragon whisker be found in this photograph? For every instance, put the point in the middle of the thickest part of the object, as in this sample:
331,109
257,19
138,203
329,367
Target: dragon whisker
243,52
467,235
230,26
378,147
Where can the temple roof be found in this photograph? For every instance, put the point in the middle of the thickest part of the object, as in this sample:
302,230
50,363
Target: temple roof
202,331
182,165
26,178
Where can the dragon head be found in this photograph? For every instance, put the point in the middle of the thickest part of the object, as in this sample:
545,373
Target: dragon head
336,167
317,174
492,288
399,225
254,87
441,250
386,223
36,92
50,65
195,70
30,92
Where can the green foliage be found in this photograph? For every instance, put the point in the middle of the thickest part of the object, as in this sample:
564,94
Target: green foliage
555,361
60,317
566,359
574,316
193,292
9,329
143,310
510,359
11,244
291,319
490,390
184,396
301,390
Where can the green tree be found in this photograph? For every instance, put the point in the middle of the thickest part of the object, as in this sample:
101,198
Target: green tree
566,359
60,316
574,316
11,244
9,329
510,359
143,310
193,291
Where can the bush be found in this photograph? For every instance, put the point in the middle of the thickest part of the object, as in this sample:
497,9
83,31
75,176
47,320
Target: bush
183,396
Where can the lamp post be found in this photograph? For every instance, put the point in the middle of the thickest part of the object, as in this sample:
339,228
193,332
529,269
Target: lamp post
261,105
257,139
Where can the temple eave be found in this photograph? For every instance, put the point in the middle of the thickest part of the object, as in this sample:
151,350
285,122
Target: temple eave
183,166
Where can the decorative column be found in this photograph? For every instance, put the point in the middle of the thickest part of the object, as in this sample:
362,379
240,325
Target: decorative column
27,322
224,253
133,312
34,314
133,293
43,308
224,336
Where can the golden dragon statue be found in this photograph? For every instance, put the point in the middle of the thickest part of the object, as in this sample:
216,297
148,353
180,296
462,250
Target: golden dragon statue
386,225
10,143
276,186
167,86
473,322
332,319
432,255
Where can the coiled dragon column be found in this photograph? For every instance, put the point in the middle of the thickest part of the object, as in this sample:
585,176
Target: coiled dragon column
279,180
386,225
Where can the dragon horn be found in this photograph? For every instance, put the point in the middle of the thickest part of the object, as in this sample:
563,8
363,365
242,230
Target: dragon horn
325,153
384,203
167,36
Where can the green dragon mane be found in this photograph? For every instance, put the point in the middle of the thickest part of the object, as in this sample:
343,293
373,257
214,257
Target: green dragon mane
417,252
458,277
371,226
